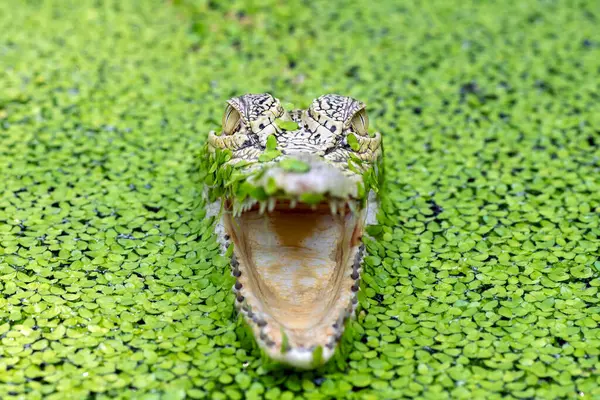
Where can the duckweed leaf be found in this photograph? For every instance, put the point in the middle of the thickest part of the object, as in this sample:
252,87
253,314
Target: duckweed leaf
482,273
284,342
286,125
271,142
294,165
269,155
312,198
317,356
352,141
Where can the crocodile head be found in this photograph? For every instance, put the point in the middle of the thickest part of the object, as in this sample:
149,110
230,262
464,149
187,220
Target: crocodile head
294,189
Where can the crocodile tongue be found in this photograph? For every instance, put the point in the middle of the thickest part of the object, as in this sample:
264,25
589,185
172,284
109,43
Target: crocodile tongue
297,274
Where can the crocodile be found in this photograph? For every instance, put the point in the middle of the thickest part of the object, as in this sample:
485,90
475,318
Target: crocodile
292,192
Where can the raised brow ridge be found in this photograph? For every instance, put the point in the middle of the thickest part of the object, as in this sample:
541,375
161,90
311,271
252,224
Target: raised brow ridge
337,107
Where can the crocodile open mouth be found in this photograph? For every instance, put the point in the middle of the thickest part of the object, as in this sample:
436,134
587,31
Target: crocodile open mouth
293,190
297,270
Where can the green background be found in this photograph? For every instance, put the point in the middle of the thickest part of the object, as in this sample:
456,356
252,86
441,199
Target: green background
482,280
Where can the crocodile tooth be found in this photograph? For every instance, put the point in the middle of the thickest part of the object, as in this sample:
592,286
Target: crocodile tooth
352,206
272,203
263,207
333,207
248,204
293,203
342,208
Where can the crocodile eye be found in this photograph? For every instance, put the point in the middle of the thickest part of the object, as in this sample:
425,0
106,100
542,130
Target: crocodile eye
231,120
360,123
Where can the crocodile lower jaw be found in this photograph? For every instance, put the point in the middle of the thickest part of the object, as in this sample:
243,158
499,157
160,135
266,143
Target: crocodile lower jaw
297,273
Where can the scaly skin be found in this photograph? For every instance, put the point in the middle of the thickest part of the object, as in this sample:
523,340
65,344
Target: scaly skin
267,159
